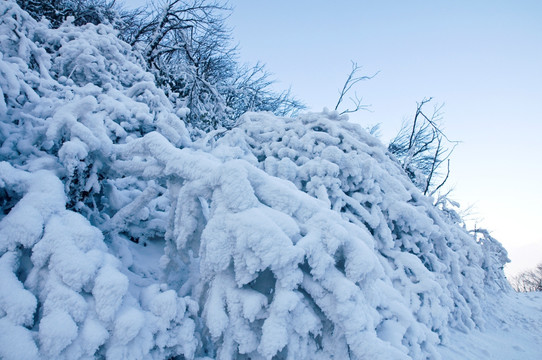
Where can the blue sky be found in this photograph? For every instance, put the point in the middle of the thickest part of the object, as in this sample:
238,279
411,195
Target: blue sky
483,59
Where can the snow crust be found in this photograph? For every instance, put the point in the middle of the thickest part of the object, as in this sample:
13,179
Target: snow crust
121,237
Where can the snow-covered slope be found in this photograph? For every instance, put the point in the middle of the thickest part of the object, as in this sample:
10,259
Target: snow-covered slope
120,237
512,331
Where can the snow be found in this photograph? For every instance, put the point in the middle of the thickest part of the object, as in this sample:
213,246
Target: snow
123,237
16,303
511,333
16,342
109,289
57,331
93,335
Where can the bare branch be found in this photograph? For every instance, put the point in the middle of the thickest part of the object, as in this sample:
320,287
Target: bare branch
352,79
420,146
357,105
443,181
528,281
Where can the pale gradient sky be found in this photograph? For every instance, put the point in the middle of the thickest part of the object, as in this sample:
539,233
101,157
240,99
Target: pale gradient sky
483,59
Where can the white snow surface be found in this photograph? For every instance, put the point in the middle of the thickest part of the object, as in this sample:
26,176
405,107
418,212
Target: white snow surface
122,237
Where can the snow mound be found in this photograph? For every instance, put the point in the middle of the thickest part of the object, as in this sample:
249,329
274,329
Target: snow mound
120,237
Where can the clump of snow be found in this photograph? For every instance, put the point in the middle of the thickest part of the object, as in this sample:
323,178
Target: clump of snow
57,331
17,342
122,238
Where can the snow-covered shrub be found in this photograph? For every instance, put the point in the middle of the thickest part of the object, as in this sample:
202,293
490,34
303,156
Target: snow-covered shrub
285,238
280,274
61,282
83,11
430,258
85,92
70,95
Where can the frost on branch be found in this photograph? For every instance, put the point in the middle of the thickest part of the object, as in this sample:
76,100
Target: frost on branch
285,238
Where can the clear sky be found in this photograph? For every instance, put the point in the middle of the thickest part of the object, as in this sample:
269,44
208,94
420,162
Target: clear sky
483,59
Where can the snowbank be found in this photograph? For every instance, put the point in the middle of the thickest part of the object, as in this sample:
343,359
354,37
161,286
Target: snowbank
282,238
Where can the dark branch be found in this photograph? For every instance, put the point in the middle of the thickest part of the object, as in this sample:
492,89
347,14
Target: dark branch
352,79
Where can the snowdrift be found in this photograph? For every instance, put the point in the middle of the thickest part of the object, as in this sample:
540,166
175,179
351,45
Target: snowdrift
122,237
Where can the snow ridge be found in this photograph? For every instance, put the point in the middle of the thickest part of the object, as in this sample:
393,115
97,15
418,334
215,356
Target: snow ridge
121,237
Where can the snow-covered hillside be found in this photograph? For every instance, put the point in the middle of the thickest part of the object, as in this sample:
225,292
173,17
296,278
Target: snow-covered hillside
123,237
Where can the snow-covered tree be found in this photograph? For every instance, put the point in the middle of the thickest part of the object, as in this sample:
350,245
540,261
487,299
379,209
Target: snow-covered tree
187,45
530,280
120,237
82,11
